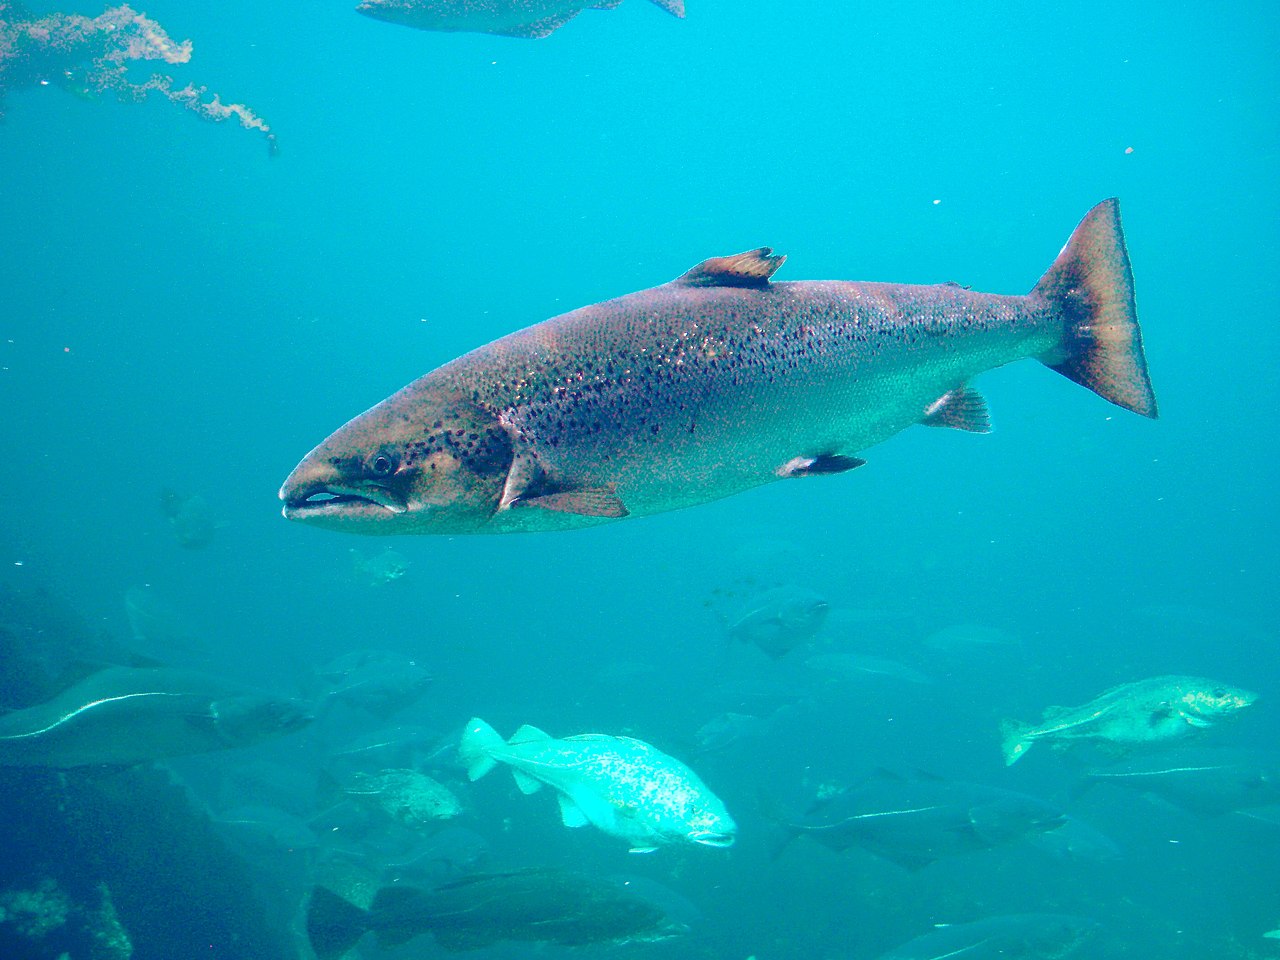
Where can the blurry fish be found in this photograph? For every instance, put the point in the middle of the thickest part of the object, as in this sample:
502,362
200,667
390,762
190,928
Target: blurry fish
761,695
376,681
1077,840
913,822
727,729
712,384
1143,712
444,856
541,905
1028,936
1270,814
1208,781
778,620
266,831
964,636
409,797
624,672
529,19
857,666
190,518
404,745
1272,934
625,787
158,628
374,571
127,715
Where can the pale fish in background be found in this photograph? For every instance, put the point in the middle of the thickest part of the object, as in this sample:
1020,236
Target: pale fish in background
625,787
373,571
858,666
1209,781
527,19
377,681
407,796
778,620
191,519
158,630
1145,712
728,728
1033,936
967,636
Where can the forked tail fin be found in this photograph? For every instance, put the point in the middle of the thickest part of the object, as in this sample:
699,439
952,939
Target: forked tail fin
1091,285
1014,741
479,740
673,7
334,924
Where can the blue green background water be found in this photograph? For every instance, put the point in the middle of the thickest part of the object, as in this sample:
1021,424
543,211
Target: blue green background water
178,310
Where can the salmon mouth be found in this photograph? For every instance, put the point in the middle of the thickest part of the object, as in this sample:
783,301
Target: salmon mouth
318,501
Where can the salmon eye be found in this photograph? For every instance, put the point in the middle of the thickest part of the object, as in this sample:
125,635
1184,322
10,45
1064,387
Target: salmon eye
382,465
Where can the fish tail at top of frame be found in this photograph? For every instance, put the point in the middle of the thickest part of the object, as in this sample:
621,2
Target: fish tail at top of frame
1091,286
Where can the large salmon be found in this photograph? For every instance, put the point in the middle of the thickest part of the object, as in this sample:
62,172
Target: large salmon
716,382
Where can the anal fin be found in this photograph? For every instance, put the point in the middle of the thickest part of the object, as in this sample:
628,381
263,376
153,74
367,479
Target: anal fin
525,783
586,502
960,409
570,813
815,466
537,29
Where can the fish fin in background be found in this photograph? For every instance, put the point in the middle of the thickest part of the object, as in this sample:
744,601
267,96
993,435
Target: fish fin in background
1091,286
525,783
642,850
528,733
537,29
571,814
752,268
589,502
334,925
1013,740
397,915
912,862
821,465
783,831
479,740
960,409
673,7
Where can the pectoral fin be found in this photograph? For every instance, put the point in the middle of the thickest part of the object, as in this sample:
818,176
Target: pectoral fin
528,485
821,464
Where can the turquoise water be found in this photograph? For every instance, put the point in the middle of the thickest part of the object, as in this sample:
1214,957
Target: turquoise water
181,311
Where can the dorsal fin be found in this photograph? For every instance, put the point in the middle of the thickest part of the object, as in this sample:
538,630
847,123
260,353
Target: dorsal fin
528,734
752,268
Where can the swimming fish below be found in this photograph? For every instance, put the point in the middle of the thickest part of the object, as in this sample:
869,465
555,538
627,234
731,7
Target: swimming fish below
533,906
717,382
128,715
625,787
1031,936
527,19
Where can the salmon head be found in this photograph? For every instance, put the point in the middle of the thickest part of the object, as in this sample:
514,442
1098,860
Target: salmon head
426,460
